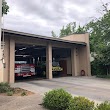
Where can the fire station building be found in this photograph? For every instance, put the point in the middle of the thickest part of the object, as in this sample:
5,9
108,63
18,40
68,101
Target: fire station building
23,52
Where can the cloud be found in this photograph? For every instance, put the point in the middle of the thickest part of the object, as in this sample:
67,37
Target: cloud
43,16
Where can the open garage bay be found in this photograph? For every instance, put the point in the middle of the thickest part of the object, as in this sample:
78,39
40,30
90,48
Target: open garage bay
30,62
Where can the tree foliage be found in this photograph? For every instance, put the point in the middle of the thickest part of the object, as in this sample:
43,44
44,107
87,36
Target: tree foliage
100,39
99,32
5,7
81,30
66,30
70,29
53,34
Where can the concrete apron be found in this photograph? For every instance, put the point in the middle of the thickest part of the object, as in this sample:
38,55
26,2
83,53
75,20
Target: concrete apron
41,90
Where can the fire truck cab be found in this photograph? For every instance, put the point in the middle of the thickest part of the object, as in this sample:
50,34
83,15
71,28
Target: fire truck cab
24,66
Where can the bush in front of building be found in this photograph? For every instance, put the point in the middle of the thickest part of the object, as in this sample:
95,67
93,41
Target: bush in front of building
4,87
57,100
10,93
23,93
103,106
81,103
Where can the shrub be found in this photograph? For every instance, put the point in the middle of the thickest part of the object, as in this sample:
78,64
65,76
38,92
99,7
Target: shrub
81,103
103,106
57,100
4,87
103,76
23,94
97,68
4,84
10,93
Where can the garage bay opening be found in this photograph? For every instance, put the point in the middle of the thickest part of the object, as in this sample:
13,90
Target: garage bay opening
30,62
61,65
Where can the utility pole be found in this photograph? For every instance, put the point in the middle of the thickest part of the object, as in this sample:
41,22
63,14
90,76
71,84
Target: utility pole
1,63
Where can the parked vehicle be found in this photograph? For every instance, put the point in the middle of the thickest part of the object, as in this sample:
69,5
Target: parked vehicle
24,67
56,67
41,68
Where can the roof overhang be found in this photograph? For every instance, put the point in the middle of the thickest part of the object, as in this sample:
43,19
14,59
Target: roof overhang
41,37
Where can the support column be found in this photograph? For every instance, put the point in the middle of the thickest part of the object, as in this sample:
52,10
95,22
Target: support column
88,55
6,59
74,62
12,61
49,61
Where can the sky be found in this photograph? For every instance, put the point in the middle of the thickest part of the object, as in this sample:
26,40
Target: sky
42,16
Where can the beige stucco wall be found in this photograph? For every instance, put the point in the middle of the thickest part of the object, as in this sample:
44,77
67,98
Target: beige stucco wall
75,61
12,61
80,56
1,68
9,58
76,37
6,59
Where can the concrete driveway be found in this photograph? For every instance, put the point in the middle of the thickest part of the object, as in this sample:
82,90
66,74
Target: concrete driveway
93,88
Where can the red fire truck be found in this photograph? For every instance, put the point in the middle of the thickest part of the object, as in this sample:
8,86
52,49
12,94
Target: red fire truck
24,66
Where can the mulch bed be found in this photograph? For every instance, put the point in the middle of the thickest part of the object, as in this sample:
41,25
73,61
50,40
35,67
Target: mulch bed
19,92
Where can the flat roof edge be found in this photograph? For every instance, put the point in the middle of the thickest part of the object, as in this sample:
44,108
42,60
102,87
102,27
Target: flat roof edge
42,37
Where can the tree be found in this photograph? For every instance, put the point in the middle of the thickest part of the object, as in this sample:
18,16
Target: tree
80,30
99,32
70,29
100,40
5,7
53,34
101,64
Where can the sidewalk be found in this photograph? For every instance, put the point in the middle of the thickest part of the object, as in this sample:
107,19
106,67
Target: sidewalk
21,103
